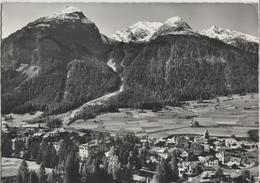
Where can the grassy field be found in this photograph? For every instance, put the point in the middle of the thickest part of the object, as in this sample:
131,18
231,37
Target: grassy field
20,120
10,166
222,116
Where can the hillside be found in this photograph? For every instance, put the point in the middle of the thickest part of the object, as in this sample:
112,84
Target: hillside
63,64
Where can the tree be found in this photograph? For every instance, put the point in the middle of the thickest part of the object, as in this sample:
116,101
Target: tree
52,177
71,169
174,174
42,174
219,173
245,174
115,167
6,144
160,175
33,178
23,172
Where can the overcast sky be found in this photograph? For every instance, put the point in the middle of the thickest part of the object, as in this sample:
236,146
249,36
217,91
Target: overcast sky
110,17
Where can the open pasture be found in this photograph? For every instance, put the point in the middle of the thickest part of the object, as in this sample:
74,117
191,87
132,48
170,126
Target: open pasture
222,116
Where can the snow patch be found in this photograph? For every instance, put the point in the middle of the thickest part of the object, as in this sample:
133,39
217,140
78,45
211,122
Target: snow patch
140,31
22,67
42,25
111,64
227,35
67,13
174,21
177,22
67,10
30,71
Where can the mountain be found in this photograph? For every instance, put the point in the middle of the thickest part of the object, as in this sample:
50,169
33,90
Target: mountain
55,63
63,64
235,38
181,64
173,26
140,31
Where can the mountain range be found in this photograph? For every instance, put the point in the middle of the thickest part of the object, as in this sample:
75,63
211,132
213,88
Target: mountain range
63,64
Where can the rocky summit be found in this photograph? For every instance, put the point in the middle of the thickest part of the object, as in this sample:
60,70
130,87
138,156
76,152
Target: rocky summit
62,63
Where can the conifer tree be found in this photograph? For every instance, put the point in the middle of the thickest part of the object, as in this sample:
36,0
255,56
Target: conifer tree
23,173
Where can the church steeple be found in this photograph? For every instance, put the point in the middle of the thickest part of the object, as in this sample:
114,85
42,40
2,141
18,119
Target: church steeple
206,134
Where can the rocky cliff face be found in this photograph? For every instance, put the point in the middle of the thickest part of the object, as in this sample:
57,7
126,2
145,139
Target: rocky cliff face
60,62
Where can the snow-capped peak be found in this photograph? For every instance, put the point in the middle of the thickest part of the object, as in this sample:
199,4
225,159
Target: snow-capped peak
227,35
173,26
140,31
175,22
68,10
68,13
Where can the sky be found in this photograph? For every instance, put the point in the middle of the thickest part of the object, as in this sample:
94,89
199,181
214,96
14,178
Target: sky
110,17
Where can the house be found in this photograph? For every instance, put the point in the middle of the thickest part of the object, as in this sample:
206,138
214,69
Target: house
153,159
200,139
163,152
184,155
83,151
213,161
148,174
221,157
232,143
249,146
160,142
171,141
91,147
5,127
234,161
139,179
184,168
203,159
206,148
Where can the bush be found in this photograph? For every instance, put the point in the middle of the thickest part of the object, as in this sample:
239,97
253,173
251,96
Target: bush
53,123
254,135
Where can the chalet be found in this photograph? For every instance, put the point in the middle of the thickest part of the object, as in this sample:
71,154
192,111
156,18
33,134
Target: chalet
213,161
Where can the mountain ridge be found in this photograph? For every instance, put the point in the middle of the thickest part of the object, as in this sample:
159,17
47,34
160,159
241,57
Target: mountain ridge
69,64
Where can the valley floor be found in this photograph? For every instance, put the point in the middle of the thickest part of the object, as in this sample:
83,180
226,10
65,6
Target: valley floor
222,116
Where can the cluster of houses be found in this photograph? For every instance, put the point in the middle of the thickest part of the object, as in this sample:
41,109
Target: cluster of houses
196,153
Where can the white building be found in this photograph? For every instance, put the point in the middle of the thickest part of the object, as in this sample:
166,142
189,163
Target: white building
92,146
